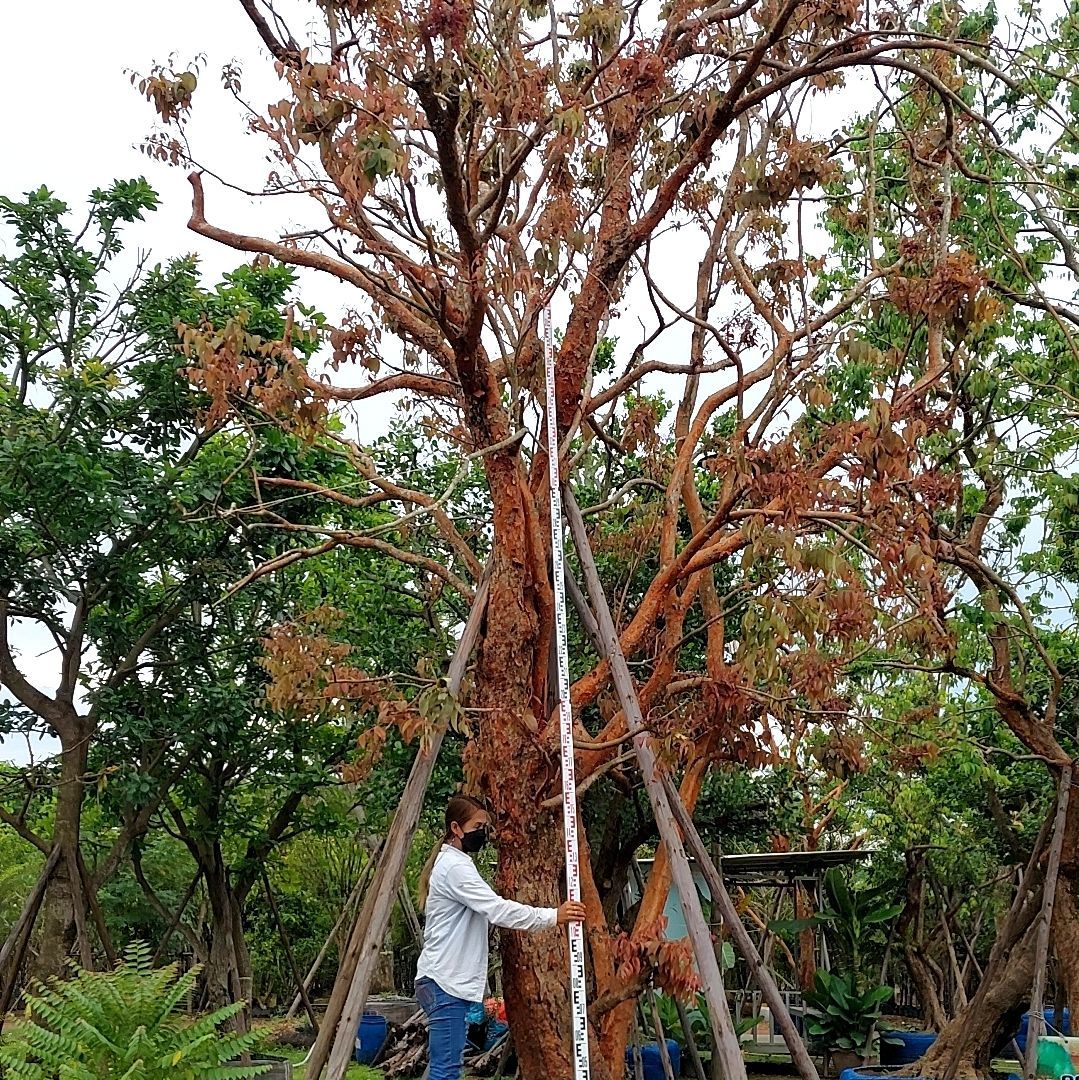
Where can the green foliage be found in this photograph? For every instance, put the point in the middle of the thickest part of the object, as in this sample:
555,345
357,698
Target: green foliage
841,1018
697,1016
122,1025
851,914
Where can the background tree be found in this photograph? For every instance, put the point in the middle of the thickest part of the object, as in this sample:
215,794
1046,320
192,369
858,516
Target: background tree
110,531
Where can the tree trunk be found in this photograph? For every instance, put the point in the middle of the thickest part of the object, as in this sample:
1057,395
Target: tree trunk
807,939
535,967
922,977
913,951
60,921
1066,915
965,1047
515,761
1066,938
228,968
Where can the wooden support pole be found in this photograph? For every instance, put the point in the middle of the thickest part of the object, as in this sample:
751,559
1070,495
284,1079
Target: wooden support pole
725,1041
289,955
95,910
1041,955
336,1039
691,1041
78,907
803,1063
408,909
30,907
11,982
350,903
638,1062
14,948
661,1038
174,922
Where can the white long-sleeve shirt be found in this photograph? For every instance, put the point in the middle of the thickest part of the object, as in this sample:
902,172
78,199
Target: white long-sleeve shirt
460,905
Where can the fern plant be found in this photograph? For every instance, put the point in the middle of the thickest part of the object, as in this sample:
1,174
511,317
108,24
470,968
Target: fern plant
121,1025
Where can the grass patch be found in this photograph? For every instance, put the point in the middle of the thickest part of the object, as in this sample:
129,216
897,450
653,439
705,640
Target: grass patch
356,1072
274,1031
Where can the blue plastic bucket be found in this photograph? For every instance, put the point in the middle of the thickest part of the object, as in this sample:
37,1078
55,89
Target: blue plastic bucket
904,1047
653,1063
370,1037
1051,1027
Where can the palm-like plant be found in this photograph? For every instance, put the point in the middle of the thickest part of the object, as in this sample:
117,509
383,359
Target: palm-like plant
851,914
839,1017
842,1010
122,1025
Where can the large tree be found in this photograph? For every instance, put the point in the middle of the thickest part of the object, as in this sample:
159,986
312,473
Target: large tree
467,165
113,535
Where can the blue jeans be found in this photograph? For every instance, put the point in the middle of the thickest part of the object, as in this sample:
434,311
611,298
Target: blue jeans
445,1030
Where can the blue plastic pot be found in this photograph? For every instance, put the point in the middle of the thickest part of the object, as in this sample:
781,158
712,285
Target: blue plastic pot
1051,1026
904,1047
872,1072
653,1063
371,1037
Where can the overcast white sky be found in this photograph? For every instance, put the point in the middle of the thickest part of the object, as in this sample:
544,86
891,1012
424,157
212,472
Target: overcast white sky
70,119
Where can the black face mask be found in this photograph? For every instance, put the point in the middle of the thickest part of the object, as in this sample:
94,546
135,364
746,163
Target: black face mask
475,840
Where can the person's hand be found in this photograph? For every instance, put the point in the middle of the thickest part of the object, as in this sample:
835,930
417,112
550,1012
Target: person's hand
570,911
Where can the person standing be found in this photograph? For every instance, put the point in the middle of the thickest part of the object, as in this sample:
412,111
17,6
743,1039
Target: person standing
460,907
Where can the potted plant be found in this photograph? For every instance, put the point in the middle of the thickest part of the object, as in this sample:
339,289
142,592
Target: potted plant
841,1020
843,1009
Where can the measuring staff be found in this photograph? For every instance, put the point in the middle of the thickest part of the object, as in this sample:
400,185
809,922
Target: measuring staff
459,907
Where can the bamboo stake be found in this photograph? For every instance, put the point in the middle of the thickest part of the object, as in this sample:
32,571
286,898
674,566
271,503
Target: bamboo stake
638,1063
661,1039
725,1041
96,912
334,1045
408,908
350,903
14,948
30,908
1041,956
175,922
691,1042
803,1063
7,995
78,907
289,955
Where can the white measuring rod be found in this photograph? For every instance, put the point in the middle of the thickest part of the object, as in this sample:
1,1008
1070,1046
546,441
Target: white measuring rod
578,994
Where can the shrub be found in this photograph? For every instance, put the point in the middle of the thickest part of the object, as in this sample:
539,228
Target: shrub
120,1025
